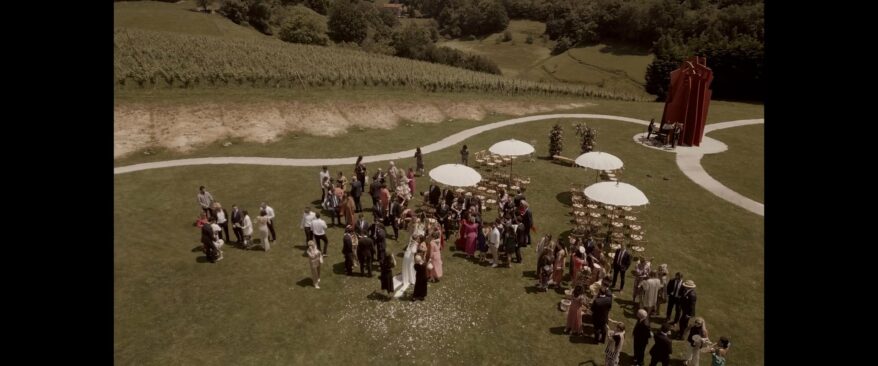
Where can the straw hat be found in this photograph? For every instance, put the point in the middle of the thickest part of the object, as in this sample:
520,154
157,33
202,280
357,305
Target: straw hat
689,284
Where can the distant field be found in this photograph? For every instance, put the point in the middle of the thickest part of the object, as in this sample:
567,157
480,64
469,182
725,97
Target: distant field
179,17
149,59
611,68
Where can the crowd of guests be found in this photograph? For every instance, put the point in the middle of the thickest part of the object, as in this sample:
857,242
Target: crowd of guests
501,238
591,295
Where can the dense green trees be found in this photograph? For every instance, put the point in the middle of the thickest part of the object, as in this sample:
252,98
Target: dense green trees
298,24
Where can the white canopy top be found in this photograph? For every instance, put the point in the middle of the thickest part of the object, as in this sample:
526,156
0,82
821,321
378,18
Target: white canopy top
511,147
455,175
599,161
616,193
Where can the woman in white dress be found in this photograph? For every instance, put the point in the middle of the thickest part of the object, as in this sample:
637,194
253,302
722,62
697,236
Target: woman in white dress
408,261
262,224
615,341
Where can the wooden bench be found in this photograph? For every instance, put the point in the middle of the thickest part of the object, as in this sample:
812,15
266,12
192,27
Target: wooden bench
562,159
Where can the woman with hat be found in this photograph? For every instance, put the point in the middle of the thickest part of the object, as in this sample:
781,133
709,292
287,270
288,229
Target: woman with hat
641,272
574,312
687,306
315,260
697,338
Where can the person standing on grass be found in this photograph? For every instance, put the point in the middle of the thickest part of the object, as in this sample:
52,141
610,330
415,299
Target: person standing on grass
307,218
379,236
642,334
560,257
347,250
411,180
600,314
675,294
210,251
360,170
221,218
662,348
687,306
494,242
663,290
384,200
435,256
347,210
574,313
697,337
512,240
342,181
393,175
315,260
464,156
270,213
544,268
420,279
264,234
332,205
365,247
324,176
641,273
246,228
356,192
204,200
318,227
386,276
361,227
621,262
375,193
527,220
649,290
237,218
719,351
617,340
419,162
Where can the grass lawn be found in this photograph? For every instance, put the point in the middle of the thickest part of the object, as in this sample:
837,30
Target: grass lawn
513,57
256,308
746,148
407,136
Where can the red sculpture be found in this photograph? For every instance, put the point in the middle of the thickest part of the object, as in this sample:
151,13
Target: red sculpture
688,99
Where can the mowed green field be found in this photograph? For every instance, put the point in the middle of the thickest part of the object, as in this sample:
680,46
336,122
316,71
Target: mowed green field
746,148
257,308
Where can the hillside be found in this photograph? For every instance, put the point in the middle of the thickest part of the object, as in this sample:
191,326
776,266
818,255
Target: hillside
614,69
150,59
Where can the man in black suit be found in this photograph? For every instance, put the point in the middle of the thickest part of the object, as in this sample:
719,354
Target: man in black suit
527,219
661,350
347,250
364,254
395,212
442,217
687,306
361,227
379,237
642,334
237,217
675,293
433,195
600,313
356,192
621,262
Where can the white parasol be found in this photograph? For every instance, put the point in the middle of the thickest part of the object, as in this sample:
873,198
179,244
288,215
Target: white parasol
616,193
455,175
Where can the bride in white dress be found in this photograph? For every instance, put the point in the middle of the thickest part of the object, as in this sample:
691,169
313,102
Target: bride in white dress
408,262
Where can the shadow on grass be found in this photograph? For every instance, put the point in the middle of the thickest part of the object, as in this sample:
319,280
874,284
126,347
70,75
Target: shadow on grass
565,197
533,289
337,268
197,249
378,296
305,282
202,259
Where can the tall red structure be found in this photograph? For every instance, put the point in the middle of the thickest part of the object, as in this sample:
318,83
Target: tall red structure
688,99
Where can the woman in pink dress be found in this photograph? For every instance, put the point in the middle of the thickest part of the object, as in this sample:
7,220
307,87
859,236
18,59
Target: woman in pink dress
469,232
560,256
574,313
435,258
578,260
411,176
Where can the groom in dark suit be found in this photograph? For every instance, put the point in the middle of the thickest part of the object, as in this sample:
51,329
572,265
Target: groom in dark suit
661,350
675,293
356,192
237,217
620,265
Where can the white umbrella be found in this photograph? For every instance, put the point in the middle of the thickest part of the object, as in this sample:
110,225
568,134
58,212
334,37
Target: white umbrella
616,194
455,175
599,161
511,147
